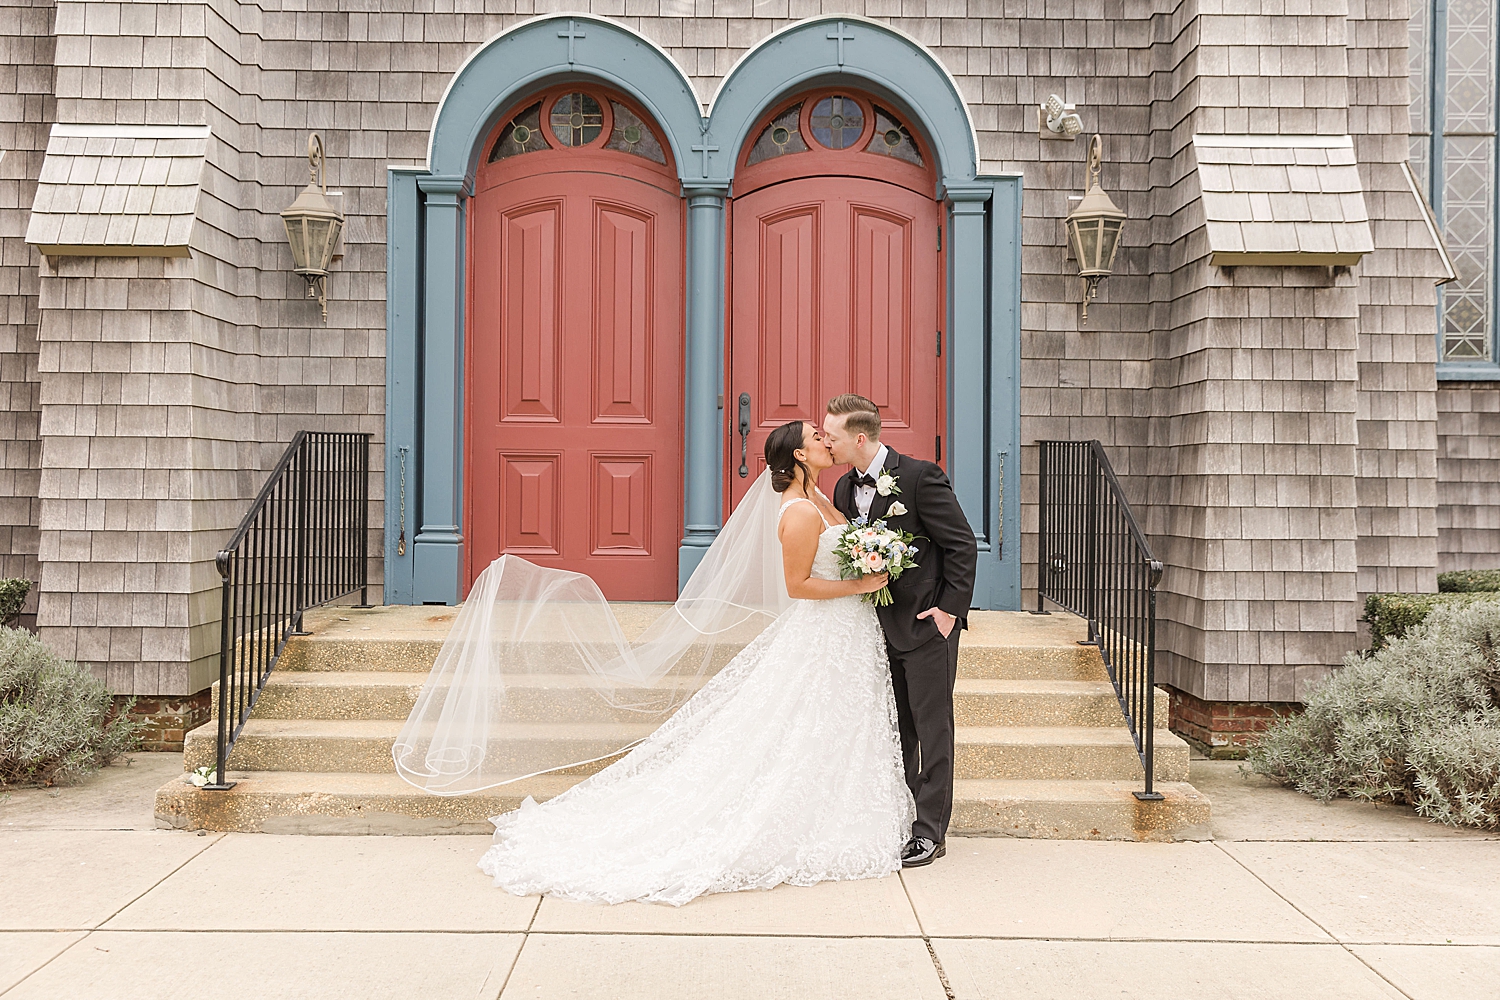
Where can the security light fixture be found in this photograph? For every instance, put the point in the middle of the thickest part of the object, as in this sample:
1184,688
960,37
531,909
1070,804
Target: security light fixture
1094,229
313,226
1056,120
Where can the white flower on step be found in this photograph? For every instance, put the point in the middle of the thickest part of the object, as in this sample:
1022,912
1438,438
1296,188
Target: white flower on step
885,484
897,509
203,776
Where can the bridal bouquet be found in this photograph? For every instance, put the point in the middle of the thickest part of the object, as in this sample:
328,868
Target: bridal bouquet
866,548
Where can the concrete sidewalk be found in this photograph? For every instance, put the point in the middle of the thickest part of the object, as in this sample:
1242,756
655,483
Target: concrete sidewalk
1291,900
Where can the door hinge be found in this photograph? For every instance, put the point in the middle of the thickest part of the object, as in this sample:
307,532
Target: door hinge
940,343
939,448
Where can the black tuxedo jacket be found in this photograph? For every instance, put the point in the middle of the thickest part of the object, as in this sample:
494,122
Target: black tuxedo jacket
946,554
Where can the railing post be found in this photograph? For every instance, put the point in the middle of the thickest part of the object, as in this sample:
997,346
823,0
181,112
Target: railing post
362,497
1043,524
1091,541
221,745
300,547
1148,738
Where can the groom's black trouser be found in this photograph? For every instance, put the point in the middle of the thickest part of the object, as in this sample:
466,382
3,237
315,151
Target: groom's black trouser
924,679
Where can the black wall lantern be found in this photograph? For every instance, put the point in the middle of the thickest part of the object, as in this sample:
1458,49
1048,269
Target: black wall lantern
313,226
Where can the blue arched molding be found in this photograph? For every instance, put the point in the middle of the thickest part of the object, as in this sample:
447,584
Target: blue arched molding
426,222
855,52
425,272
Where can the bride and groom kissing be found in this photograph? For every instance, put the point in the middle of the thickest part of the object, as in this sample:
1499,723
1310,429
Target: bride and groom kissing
823,750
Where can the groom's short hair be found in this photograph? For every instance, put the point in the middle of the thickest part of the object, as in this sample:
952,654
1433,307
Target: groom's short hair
861,416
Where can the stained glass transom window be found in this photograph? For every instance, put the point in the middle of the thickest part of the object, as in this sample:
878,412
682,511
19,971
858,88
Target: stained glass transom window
522,134
837,121
1453,153
891,138
577,119
780,137
631,135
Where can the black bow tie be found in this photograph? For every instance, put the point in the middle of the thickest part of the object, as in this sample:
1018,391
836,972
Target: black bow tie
863,479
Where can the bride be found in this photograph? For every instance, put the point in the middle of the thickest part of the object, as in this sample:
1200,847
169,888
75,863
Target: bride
785,766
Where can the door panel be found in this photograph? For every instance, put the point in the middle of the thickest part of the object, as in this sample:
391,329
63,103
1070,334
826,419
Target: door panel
835,288
574,394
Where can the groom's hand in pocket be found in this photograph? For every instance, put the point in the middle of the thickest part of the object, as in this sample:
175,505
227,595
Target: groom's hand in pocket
942,619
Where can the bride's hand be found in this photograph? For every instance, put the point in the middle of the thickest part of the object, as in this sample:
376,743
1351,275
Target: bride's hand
871,583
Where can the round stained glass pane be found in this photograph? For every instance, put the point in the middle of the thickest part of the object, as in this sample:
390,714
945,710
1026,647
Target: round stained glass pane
837,121
780,136
577,119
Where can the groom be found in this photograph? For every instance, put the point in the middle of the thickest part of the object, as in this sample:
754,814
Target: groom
930,602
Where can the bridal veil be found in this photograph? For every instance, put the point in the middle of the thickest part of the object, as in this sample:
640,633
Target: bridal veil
471,730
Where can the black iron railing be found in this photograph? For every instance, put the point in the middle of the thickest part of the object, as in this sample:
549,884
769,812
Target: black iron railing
1094,561
304,542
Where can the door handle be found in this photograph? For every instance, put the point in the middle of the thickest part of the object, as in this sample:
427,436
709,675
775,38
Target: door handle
744,435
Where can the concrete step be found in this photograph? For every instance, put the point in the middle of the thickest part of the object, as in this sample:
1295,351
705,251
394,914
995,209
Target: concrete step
381,694
364,745
1070,753
988,702
389,694
301,802
998,645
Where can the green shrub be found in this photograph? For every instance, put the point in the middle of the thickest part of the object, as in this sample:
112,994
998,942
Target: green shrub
1393,615
1417,722
57,723
1469,581
12,599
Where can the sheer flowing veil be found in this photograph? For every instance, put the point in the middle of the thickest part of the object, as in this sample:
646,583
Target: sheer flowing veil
532,645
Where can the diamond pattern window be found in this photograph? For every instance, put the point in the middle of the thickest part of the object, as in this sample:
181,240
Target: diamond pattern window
1454,156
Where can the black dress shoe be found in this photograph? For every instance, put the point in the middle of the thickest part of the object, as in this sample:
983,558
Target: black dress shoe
920,851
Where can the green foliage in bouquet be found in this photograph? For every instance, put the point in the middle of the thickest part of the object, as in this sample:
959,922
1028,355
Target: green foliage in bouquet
1417,722
1469,581
13,593
57,723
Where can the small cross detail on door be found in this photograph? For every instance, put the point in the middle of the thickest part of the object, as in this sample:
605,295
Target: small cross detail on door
574,33
839,36
705,150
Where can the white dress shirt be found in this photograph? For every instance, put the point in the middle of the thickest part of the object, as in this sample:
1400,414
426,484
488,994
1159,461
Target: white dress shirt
865,495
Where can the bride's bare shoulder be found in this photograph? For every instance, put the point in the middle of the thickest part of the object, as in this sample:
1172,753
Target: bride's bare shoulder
800,516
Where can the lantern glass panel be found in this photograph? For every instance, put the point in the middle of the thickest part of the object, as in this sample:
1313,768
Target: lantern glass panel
1088,244
297,238
1110,244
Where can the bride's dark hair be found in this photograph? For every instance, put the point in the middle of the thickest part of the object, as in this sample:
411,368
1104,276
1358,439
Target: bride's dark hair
781,455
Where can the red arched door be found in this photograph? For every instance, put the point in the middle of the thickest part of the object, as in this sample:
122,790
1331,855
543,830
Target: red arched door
835,278
574,375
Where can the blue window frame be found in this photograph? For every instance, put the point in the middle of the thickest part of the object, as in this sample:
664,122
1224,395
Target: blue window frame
1452,47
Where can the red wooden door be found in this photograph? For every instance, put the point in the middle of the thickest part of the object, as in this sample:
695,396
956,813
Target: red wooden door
835,290
574,389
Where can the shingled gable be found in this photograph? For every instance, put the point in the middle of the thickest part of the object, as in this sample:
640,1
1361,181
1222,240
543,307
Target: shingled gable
118,190
1282,200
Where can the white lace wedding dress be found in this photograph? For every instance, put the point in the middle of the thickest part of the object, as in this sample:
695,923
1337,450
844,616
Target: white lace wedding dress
785,767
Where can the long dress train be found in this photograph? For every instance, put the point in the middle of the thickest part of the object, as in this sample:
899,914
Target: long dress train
785,767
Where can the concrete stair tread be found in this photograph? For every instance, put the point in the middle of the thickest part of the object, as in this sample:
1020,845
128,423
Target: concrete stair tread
1061,735
1052,686
390,728
394,678
309,802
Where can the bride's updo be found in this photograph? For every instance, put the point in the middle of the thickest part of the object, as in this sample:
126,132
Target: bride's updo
781,455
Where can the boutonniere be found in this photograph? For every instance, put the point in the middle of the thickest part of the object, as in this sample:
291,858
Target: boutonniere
885,484
897,509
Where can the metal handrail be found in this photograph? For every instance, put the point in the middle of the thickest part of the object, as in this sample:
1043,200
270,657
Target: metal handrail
1094,561
304,542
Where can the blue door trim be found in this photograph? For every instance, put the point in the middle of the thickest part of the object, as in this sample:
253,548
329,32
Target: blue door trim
426,294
